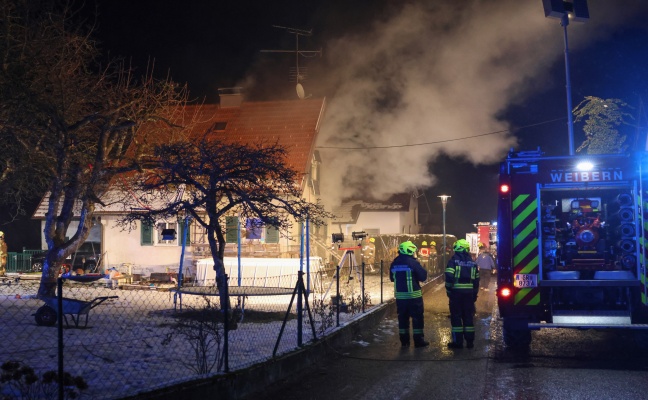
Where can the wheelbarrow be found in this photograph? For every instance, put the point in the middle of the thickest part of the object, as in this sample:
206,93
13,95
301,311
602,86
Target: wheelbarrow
47,314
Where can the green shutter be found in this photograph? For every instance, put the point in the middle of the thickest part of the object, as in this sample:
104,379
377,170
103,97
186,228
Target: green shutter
272,235
146,238
182,223
231,229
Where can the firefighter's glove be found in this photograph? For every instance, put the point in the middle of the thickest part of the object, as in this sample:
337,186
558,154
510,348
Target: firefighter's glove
474,297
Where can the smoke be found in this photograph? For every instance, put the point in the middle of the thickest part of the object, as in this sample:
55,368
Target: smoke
432,75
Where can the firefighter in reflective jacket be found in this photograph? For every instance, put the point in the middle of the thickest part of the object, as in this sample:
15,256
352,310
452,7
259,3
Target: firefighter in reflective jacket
369,253
406,273
462,287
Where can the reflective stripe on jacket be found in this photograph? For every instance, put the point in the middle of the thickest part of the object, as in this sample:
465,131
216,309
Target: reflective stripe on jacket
462,273
406,273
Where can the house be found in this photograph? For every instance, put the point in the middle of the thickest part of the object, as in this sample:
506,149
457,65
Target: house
293,124
397,214
147,249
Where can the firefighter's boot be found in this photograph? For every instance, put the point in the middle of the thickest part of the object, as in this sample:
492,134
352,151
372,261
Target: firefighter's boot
405,340
457,340
420,342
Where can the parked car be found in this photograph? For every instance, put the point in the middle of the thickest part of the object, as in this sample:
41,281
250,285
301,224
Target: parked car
87,258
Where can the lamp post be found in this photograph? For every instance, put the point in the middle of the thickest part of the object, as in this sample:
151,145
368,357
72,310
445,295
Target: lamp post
444,201
564,10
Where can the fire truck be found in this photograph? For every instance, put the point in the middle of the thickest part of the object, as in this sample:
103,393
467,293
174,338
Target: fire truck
572,237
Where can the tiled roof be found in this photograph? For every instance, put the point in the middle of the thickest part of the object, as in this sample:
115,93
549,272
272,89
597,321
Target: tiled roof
350,209
292,124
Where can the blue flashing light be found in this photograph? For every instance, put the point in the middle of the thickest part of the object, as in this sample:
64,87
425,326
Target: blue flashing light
584,166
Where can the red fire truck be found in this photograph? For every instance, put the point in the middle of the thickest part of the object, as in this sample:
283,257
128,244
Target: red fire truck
572,237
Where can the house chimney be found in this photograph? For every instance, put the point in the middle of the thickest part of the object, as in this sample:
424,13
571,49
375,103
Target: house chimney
230,97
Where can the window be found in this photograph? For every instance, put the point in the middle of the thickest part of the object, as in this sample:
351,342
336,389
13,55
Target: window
272,235
151,235
231,229
254,228
218,126
162,231
146,234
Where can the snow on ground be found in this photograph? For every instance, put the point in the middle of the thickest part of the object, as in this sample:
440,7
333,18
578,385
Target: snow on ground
129,344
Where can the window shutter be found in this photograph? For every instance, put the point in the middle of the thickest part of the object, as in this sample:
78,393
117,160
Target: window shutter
272,235
182,223
146,238
231,229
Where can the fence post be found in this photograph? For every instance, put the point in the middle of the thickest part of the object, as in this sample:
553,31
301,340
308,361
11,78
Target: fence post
363,287
61,383
381,281
337,295
226,324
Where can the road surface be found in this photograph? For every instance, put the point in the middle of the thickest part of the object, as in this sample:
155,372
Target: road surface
560,364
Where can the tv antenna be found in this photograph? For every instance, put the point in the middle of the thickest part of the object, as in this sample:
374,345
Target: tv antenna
297,74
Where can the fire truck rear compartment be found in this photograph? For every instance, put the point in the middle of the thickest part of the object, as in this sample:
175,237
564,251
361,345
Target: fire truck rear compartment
589,257
588,235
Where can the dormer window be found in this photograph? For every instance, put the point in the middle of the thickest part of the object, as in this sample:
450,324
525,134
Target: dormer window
218,126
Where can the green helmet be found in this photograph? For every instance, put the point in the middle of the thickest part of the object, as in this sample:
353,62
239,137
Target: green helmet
407,248
462,245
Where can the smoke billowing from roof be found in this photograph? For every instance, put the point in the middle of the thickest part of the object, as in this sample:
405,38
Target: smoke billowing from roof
439,72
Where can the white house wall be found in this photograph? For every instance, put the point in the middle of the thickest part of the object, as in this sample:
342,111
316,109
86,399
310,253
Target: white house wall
122,247
387,223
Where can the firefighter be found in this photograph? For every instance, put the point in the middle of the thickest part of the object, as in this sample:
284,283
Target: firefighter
433,250
369,253
424,252
3,255
406,273
433,255
462,287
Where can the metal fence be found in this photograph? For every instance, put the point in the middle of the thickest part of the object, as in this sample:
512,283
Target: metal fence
20,262
118,341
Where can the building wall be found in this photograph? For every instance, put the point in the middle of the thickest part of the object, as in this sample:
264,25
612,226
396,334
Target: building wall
125,247
386,222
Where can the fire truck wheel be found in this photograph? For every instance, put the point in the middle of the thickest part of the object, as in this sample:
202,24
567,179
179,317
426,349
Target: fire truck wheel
516,337
45,316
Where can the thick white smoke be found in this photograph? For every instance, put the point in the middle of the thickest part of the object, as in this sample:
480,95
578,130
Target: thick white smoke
439,71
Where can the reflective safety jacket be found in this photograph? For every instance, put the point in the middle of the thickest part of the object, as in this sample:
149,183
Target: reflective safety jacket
406,273
462,274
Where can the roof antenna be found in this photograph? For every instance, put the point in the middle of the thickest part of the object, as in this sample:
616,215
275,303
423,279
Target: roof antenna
297,74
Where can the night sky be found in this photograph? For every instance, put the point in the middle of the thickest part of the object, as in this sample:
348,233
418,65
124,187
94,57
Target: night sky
408,71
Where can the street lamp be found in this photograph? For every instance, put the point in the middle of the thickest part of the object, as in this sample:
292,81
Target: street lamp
444,201
564,10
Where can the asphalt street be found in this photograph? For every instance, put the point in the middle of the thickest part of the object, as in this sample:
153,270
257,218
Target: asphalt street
560,364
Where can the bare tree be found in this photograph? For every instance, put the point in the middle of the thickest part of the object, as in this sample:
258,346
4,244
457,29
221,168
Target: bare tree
209,180
69,124
602,118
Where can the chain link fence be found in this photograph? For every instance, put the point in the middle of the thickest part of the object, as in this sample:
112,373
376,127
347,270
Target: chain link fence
117,340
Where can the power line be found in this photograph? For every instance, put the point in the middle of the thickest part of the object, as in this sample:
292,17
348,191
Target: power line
440,141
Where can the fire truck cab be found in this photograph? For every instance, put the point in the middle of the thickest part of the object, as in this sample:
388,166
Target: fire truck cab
572,232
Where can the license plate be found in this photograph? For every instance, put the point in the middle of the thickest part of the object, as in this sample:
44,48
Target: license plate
526,280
